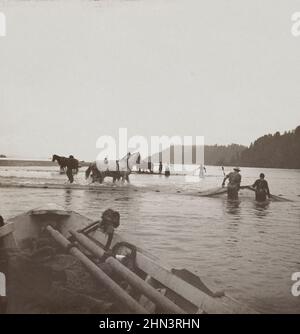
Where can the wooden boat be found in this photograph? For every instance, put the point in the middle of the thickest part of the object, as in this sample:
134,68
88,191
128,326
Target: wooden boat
159,289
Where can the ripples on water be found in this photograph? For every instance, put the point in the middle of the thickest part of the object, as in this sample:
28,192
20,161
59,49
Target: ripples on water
248,249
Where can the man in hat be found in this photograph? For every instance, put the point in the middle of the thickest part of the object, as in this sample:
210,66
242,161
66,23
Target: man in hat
234,183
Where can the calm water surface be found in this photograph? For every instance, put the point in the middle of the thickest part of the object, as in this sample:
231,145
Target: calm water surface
248,249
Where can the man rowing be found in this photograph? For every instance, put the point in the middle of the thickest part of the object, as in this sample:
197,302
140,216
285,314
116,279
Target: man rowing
234,183
261,188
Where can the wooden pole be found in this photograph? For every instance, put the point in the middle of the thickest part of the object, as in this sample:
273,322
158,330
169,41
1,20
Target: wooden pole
112,286
167,305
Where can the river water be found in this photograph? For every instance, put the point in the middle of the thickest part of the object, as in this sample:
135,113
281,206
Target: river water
249,250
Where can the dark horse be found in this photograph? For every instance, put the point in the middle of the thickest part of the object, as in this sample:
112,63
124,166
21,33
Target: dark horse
64,162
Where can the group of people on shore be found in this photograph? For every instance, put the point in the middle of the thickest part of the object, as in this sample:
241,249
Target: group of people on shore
260,186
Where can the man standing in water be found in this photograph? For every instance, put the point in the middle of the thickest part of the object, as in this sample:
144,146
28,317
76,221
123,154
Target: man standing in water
71,164
202,170
160,167
261,188
233,187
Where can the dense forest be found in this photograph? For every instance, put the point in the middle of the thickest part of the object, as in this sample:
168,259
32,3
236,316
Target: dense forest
218,155
277,150
274,151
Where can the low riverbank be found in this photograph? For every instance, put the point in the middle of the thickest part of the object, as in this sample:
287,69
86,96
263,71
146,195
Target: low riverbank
31,163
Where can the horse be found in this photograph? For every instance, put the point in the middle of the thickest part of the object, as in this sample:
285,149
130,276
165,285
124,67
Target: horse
117,169
64,162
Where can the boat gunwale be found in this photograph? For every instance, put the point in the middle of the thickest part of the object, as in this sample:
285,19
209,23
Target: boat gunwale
197,297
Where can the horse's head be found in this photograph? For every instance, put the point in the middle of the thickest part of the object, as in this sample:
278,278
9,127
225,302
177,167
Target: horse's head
129,160
54,157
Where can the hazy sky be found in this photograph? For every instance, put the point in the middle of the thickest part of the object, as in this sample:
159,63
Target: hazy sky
69,73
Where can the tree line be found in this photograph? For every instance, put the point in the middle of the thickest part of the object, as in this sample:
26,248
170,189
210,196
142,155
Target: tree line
272,150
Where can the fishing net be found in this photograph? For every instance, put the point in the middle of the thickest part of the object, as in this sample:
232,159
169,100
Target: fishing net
46,280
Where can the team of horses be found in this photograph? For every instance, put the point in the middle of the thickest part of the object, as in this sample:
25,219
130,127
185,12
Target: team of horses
117,169
99,170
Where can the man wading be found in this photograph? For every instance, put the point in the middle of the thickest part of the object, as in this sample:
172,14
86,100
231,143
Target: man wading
233,187
261,188
72,163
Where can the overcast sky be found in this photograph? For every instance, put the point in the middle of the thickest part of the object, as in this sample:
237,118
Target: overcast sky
69,73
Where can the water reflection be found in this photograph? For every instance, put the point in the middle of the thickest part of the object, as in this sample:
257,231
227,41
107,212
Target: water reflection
240,241
68,198
261,209
233,207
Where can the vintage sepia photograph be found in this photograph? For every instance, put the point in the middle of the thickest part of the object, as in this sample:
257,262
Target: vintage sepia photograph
149,159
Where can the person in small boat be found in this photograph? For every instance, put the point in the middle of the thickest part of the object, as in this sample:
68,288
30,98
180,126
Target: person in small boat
261,188
110,220
160,167
234,183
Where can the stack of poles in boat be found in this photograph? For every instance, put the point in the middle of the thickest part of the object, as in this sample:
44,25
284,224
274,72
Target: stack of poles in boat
162,302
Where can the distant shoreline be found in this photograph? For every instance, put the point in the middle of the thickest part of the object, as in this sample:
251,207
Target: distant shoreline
4,162
32,162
